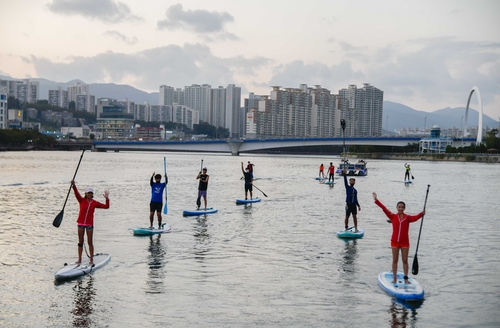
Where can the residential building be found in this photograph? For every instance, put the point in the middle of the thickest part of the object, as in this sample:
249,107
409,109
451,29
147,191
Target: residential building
166,95
199,97
77,89
233,111
4,95
85,102
179,96
362,110
218,118
185,115
58,98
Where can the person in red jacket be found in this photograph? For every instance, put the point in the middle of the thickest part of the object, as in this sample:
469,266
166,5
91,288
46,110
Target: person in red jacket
85,219
400,239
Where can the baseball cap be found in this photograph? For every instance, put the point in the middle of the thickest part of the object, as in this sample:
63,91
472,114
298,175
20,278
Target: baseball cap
205,168
89,190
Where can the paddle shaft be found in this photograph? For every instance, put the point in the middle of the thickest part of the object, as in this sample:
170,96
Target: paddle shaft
259,190
57,221
165,207
198,200
342,124
414,269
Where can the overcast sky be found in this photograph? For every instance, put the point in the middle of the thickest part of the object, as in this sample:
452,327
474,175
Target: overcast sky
424,54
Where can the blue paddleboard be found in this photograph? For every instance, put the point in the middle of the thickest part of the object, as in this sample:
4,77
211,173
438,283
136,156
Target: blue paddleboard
407,182
149,231
318,178
351,233
199,212
329,182
401,290
247,201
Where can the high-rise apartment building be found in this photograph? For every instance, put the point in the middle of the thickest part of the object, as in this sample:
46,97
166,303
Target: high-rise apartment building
179,96
233,110
166,95
85,103
362,110
58,98
218,118
199,97
77,89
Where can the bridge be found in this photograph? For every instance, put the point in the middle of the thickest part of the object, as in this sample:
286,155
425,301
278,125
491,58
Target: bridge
236,146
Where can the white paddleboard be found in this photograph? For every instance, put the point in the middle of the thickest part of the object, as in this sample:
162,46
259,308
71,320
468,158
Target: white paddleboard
401,290
72,270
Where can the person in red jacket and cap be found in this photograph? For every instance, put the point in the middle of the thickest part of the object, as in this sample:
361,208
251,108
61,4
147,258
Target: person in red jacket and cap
400,239
85,219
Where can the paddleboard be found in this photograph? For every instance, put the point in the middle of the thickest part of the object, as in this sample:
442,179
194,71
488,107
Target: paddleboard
153,231
350,233
199,212
72,270
247,201
329,183
407,182
401,290
320,178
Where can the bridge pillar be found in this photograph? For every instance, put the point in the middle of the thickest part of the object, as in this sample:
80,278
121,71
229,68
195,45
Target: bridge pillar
235,146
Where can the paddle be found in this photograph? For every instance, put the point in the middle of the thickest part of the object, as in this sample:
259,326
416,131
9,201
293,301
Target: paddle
57,221
165,207
260,190
198,200
342,124
414,268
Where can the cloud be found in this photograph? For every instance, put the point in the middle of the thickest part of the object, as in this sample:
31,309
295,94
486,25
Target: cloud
120,37
209,25
107,11
298,72
147,70
439,70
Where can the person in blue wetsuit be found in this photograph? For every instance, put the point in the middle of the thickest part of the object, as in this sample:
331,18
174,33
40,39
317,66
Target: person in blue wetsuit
351,201
156,203
248,181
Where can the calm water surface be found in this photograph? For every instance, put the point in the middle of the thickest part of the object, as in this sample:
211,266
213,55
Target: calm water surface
277,263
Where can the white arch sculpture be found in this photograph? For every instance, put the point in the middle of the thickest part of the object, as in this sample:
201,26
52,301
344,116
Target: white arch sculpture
480,124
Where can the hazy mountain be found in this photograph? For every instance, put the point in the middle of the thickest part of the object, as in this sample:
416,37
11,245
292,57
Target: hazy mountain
396,116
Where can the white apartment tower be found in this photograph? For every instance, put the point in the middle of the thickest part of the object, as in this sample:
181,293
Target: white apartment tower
58,98
362,110
166,95
218,118
85,103
199,97
233,110
77,89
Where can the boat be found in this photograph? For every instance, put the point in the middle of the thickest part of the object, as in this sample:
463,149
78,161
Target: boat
353,169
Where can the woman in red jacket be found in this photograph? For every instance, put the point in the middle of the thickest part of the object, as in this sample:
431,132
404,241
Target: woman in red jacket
85,219
400,239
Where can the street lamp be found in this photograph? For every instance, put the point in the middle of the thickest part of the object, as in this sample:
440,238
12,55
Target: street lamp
386,119
425,120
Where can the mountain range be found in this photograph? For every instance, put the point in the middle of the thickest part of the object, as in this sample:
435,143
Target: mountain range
396,116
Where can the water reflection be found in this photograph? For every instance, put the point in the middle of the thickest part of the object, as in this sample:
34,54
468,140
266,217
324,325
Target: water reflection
202,238
349,267
156,261
84,297
402,315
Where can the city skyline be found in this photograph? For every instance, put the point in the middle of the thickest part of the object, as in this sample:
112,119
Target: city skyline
427,55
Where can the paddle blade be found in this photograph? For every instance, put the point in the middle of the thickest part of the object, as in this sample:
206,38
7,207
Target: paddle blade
412,177
165,208
198,202
414,268
57,221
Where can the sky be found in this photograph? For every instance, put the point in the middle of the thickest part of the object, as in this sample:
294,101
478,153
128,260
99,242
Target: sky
424,54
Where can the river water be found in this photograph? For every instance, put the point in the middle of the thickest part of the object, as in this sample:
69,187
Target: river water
277,263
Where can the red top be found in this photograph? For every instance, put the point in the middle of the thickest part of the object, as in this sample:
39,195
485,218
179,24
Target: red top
400,226
87,207
332,169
